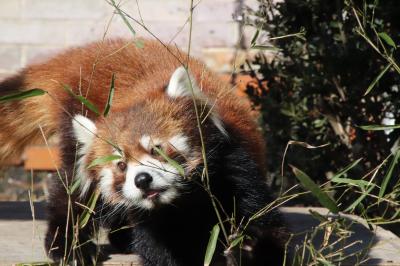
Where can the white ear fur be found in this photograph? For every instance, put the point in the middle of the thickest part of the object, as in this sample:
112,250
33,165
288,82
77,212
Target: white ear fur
219,124
181,83
84,129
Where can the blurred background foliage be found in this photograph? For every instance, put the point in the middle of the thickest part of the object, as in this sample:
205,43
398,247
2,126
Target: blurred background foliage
312,89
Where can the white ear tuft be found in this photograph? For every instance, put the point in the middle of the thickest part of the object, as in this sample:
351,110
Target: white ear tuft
181,83
84,129
219,124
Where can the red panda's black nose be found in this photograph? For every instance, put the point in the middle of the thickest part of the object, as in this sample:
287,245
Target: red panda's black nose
143,180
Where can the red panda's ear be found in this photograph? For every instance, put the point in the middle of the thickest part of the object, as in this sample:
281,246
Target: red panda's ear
181,84
84,130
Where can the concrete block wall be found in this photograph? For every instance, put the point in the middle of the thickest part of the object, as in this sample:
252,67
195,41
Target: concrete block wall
32,30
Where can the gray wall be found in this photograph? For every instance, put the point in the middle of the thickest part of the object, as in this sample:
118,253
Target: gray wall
31,30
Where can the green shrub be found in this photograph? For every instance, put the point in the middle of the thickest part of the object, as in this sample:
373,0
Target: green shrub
315,85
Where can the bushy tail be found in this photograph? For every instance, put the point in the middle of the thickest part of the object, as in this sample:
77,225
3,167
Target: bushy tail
21,120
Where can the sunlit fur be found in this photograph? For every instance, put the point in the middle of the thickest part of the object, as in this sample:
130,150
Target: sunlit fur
166,220
85,132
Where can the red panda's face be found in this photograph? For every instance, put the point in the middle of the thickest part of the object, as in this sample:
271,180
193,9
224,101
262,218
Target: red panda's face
143,173
152,148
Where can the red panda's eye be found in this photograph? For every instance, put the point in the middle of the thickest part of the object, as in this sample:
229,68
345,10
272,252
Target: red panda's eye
121,166
155,149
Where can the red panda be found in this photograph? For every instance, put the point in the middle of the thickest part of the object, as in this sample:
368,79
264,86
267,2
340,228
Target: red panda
156,111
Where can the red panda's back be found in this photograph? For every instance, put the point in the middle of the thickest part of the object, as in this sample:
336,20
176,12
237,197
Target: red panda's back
141,72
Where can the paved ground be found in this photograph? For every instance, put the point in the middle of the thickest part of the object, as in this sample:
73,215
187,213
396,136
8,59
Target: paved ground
21,237
365,247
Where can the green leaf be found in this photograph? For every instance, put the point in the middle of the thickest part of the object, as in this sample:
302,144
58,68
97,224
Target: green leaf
358,201
173,163
236,241
318,216
254,39
68,89
356,182
347,168
82,99
110,96
289,113
75,184
212,243
22,95
322,197
335,24
88,104
379,127
139,43
265,47
384,36
104,160
84,218
324,262
373,83
122,15
40,263
388,175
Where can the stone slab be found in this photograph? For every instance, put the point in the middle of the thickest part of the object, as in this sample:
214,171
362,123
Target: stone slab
376,247
21,237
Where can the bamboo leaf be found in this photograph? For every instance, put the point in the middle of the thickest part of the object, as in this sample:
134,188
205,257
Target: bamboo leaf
318,216
88,104
82,99
379,127
41,263
110,96
265,47
306,145
68,89
358,201
212,243
139,43
355,182
388,175
373,83
173,163
324,262
84,218
22,95
347,168
122,15
75,185
384,36
255,37
300,143
322,197
359,183
104,160
236,241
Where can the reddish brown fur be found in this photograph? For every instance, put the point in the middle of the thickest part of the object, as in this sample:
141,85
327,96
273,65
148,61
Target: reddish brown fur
160,120
142,73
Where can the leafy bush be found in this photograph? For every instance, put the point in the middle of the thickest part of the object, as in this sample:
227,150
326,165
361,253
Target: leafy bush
313,89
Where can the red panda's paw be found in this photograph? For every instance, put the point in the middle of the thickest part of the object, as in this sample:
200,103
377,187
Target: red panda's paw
264,246
83,253
121,240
